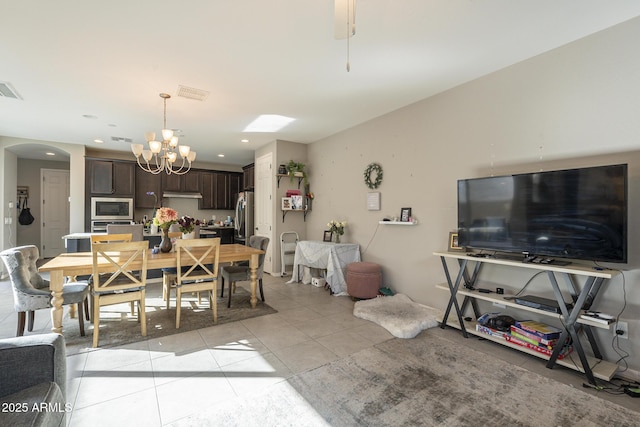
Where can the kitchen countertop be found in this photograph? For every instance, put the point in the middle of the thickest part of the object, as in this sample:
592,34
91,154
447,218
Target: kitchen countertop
203,230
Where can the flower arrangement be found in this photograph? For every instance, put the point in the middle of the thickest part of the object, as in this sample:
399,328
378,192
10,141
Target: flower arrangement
165,217
337,227
188,224
155,199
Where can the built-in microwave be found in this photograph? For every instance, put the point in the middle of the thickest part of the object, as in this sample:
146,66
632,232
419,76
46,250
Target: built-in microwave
111,208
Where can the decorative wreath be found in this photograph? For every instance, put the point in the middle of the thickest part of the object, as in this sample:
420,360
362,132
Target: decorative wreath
373,167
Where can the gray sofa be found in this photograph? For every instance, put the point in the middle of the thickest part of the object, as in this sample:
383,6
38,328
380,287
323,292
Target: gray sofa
33,376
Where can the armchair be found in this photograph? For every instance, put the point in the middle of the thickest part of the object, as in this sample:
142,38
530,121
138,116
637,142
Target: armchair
33,371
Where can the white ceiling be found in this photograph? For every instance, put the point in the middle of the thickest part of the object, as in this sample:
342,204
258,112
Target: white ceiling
111,59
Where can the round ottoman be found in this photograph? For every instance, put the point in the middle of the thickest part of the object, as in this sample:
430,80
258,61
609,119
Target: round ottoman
364,279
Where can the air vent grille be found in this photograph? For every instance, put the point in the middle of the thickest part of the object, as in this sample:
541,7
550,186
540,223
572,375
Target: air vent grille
7,91
192,93
121,139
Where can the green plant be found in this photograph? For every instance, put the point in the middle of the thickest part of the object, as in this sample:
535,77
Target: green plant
293,167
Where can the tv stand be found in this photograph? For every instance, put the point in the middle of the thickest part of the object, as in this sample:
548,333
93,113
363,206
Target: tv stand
570,316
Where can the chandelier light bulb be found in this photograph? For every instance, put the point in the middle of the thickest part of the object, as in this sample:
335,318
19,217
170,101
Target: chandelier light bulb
167,134
150,136
155,146
147,154
173,142
191,157
172,156
184,150
137,149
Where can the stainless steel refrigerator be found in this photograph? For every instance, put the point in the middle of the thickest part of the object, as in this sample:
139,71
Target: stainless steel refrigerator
243,221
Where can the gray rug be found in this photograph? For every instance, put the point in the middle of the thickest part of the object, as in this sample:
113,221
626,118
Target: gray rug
425,381
398,314
118,326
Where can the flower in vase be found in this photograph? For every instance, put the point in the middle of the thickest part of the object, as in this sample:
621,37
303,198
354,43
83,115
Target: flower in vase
187,224
165,217
337,227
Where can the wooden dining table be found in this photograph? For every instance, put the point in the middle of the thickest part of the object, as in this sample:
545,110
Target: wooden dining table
81,263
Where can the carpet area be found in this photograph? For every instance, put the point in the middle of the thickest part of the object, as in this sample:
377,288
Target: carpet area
119,327
425,381
398,314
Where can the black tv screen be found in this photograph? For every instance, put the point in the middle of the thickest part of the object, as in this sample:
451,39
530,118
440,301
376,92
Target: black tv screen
574,213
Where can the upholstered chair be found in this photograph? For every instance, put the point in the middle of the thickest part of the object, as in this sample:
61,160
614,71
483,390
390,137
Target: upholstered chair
241,272
31,291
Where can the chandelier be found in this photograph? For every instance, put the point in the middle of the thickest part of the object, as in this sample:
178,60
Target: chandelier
162,155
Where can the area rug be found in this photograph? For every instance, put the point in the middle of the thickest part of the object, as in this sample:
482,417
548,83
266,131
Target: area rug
427,381
398,314
118,326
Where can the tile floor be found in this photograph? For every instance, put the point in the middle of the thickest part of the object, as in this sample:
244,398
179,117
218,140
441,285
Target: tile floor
180,375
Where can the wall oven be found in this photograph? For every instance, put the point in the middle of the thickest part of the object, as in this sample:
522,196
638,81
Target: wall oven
110,210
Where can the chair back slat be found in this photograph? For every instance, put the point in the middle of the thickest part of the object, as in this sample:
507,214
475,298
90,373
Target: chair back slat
113,238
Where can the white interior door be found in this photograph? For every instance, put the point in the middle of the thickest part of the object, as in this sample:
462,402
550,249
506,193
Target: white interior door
55,211
263,206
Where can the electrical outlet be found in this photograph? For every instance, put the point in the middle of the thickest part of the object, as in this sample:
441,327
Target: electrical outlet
6,220
622,330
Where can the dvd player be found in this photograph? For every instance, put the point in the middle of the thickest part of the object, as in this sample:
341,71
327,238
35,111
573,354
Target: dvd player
544,304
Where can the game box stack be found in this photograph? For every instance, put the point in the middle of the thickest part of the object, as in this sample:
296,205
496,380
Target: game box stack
537,336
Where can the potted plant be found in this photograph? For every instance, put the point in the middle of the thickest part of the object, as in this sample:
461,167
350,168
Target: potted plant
296,169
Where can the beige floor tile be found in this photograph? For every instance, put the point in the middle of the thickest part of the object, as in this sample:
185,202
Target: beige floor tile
305,356
344,343
281,336
255,374
139,409
177,366
179,343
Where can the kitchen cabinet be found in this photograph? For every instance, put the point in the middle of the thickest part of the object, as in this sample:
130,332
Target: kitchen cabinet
219,189
113,178
235,186
147,182
248,177
189,182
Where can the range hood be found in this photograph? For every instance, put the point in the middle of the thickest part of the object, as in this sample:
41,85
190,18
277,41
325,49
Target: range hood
181,195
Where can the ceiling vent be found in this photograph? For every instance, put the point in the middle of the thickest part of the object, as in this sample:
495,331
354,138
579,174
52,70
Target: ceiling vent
121,139
7,91
192,93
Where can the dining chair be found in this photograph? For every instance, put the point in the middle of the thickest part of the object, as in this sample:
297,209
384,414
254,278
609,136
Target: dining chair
31,291
169,273
120,285
197,271
136,230
242,272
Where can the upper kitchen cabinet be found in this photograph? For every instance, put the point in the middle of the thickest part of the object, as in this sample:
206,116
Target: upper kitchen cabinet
145,183
189,182
248,177
108,177
219,189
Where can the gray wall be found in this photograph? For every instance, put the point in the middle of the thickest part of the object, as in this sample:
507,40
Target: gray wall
578,105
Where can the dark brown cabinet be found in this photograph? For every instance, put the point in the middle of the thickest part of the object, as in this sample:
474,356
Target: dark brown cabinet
189,182
147,182
235,186
219,189
248,177
112,178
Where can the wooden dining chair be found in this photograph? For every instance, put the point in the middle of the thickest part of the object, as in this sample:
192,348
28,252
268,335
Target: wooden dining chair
169,273
120,285
197,271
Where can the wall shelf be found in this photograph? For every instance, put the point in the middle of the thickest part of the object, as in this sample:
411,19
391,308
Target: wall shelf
397,222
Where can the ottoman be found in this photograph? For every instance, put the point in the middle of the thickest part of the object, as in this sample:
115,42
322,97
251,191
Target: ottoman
364,279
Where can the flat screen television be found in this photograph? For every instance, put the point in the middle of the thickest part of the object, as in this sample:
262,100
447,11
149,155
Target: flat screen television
578,214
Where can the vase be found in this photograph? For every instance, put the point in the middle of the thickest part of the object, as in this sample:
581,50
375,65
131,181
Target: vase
154,229
165,243
337,238
189,235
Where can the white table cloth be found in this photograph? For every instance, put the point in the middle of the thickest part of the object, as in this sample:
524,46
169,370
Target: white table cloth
333,257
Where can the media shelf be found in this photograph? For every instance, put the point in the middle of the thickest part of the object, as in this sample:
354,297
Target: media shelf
592,367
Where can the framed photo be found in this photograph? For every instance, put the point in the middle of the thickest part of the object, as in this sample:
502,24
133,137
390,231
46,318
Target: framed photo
327,236
453,242
286,204
405,215
296,202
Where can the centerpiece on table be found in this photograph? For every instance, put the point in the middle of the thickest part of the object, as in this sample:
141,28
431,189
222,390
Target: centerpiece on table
337,228
187,226
164,218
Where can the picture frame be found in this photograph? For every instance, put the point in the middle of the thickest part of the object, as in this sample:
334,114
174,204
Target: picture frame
328,235
286,204
405,215
296,203
453,242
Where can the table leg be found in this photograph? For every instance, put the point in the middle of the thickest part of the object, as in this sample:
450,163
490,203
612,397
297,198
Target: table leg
253,265
56,280
72,307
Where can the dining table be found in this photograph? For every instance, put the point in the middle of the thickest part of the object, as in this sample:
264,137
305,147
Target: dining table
81,263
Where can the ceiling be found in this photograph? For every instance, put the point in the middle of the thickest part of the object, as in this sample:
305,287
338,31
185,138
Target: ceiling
89,70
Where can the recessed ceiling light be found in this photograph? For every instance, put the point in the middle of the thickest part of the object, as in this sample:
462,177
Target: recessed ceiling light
268,123
49,153
112,125
220,155
244,140
89,116
98,141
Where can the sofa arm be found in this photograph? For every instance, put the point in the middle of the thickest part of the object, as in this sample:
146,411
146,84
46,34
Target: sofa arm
30,360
